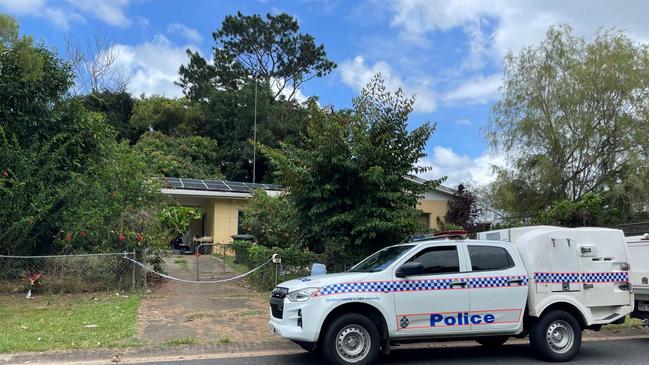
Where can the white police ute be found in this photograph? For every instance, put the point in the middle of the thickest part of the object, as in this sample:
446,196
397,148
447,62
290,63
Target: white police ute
548,282
638,247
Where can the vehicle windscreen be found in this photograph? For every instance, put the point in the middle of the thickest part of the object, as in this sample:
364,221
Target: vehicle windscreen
381,259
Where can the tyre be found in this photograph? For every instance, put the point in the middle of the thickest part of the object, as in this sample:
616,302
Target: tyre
556,336
351,339
492,341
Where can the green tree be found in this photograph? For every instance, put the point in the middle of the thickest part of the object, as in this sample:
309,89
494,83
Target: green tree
272,220
117,108
228,119
573,117
188,157
30,61
272,50
66,185
348,180
174,117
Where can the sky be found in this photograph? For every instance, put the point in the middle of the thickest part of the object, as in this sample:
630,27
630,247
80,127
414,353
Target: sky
448,53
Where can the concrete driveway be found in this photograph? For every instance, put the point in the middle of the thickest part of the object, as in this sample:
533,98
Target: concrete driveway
183,313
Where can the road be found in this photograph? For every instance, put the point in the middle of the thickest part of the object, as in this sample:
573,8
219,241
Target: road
620,352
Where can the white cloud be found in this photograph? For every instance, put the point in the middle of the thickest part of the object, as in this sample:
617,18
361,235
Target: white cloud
39,8
110,12
460,168
152,66
465,122
356,74
188,33
21,7
477,90
517,23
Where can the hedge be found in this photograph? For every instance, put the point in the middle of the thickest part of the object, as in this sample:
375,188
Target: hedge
295,263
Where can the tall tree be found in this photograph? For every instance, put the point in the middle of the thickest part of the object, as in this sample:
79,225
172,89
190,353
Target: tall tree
271,50
117,108
348,179
573,116
190,157
94,61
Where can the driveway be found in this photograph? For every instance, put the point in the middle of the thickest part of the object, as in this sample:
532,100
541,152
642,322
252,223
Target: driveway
184,313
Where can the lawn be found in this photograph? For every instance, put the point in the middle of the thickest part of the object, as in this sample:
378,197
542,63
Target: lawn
51,322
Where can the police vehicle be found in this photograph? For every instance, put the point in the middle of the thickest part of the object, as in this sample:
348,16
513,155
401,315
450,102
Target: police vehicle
546,282
638,247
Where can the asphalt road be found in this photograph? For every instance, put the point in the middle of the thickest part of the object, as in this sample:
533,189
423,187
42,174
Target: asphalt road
618,352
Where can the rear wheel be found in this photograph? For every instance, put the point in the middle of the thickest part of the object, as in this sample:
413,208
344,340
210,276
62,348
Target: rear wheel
351,339
492,341
556,336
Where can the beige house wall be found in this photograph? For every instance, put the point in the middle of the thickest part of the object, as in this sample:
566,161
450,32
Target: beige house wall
222,215
434,209
223,218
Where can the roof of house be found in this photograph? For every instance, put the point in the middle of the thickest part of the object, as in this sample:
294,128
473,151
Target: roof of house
198,187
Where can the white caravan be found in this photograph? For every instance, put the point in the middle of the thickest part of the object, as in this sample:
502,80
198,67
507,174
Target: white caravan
546,282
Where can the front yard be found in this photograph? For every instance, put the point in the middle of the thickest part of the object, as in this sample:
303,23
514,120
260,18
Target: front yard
50,322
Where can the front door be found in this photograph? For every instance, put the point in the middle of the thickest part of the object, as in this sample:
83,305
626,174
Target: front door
433,302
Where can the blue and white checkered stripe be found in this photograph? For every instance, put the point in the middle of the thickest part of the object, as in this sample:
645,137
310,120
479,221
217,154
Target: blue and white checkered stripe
417,285
496,282
593,277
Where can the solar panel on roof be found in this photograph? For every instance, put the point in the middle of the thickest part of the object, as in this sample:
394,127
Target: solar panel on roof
173,183
193,184
216,185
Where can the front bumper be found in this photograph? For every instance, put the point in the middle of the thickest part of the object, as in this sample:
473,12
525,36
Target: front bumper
294,314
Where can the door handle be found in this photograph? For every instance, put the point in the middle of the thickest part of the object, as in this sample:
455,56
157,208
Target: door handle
458,283
515,281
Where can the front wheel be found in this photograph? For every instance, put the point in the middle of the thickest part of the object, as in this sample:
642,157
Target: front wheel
351,339
556,336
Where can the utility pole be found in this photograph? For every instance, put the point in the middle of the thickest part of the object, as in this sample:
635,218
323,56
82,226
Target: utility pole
254,138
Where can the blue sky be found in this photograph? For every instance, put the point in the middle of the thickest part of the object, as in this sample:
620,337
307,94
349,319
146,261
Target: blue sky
448,53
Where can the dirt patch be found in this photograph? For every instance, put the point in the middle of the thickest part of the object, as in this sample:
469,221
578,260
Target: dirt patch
204,313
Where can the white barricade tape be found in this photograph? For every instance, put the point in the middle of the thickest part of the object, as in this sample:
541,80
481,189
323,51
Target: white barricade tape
147,268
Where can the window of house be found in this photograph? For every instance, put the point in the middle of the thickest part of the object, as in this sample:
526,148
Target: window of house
484,258
438,260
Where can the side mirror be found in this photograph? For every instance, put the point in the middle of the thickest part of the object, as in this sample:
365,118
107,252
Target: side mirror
410,269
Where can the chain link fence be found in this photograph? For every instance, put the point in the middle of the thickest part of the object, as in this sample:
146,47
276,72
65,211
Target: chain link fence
69,273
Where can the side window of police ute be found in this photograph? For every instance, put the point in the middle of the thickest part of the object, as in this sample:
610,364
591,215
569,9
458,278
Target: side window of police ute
489,258
438,260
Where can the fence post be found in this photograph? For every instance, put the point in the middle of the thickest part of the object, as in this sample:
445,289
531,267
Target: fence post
133,271
145,271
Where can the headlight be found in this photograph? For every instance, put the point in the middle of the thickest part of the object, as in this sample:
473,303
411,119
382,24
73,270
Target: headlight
301,295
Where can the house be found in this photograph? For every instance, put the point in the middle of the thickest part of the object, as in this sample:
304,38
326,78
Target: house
222,203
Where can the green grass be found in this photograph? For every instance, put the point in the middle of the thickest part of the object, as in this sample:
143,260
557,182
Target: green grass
238,268
67,322
181,341
182,263
629,323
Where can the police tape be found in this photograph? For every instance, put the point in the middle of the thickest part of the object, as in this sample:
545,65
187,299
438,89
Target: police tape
149,269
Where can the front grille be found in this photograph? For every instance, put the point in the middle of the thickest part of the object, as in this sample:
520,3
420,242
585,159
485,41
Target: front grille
277,302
